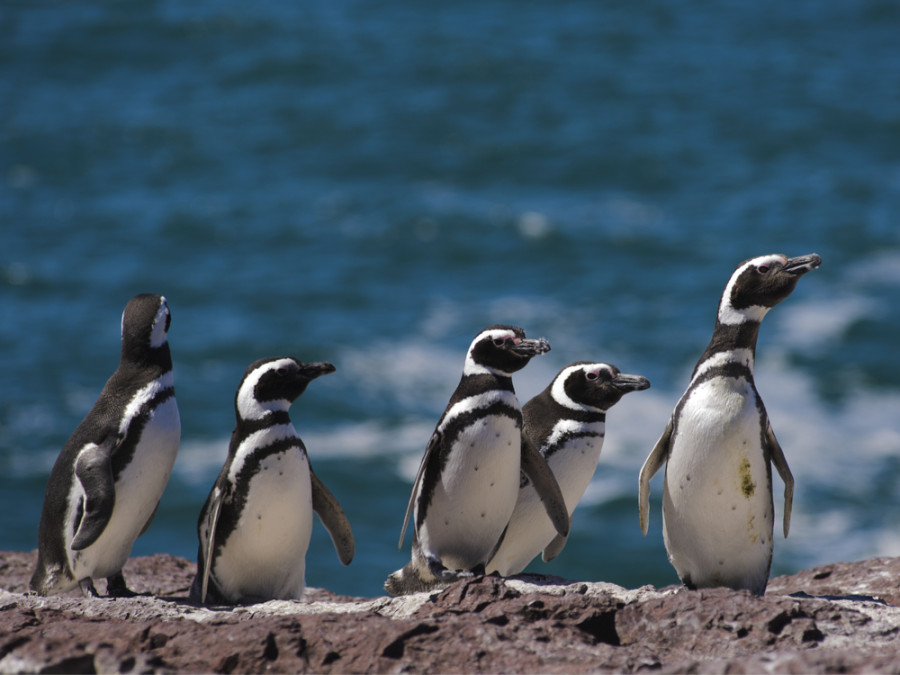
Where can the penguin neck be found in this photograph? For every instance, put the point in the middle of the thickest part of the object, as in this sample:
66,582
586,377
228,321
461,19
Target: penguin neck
731,345
474,385
261,413
585,414
158,360
270,418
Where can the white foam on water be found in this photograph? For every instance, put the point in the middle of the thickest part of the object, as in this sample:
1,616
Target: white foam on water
814,325
199,461
880,268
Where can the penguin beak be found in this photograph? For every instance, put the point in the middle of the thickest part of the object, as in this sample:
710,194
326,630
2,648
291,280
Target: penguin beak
531,348
802,264
311,371
626,383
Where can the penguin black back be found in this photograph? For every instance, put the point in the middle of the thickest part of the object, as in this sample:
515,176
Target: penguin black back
140,390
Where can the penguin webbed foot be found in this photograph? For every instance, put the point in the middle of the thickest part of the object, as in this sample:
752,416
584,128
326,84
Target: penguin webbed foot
214,596
117,588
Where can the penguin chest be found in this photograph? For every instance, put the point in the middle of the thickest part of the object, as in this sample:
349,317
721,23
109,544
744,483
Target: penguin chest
476,493
717,500
138,489
264,555
574,461
573,458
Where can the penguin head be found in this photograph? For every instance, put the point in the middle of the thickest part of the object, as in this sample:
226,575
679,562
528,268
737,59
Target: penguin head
595,387
272,384
502,350
758,284
145,326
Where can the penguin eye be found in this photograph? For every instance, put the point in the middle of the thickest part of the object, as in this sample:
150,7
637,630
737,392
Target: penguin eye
762,269
499,342
592,375
281,372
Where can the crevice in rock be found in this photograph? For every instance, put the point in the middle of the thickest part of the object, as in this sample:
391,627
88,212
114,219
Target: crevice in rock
602,627
812,634
499,620
229,664
83,663
13,644
778,622
270,653
396,648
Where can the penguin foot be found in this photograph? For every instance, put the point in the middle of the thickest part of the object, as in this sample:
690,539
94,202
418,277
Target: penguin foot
214,595
87,588
116,588
448,576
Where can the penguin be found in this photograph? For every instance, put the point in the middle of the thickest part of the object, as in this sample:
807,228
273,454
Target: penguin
255,525
567,423
719,446
468,479
108,479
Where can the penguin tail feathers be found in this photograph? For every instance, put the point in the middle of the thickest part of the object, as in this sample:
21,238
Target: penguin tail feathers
411,579
51,579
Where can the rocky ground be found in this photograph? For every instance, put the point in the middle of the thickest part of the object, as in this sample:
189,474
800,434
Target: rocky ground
843,617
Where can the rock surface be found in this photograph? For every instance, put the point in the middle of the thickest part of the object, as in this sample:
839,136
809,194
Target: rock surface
842,617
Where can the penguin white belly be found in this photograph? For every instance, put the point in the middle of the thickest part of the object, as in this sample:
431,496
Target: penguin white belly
476,494
138,491
530,529
265,556
717,499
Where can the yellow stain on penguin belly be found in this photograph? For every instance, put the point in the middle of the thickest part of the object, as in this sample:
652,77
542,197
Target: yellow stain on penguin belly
748,487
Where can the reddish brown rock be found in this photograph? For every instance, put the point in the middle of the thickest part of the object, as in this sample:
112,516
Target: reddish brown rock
841,617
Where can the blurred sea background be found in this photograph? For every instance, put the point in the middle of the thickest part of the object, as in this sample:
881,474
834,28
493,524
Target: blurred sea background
373,183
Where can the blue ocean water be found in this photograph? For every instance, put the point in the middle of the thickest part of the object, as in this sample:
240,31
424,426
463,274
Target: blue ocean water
373,183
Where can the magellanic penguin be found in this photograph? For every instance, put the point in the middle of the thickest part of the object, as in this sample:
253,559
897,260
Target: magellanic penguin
718,446
468,480
255,526
106,484
567,423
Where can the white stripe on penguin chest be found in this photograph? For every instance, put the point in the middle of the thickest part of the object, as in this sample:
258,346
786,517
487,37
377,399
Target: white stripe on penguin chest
476,494
717,503
265,554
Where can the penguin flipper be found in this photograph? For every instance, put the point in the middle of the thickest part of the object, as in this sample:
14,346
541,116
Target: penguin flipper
212,520
535,467
555,547
434,442
776,454
653,463
93,469
333,518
